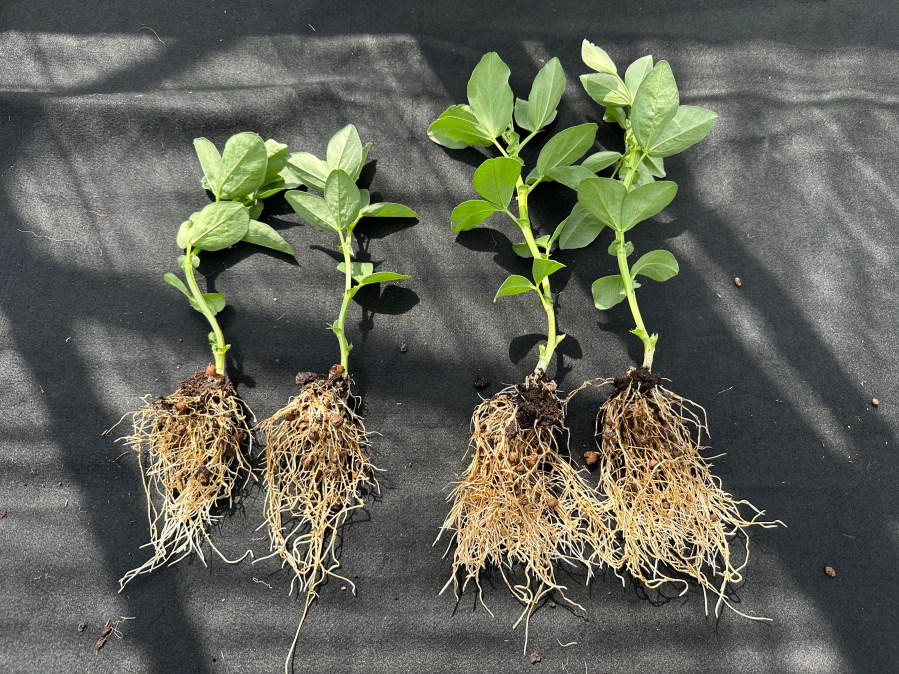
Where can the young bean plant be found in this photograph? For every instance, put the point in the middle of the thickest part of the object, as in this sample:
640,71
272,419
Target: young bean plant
520,506
193,445
675,520
317,468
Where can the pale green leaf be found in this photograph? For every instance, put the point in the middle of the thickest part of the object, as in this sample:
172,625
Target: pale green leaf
219,225
244,161
607,291
546,93
490,95
311,170
655,104
345,151
645,201
689,125
659,265
458,128
597,58
603,198
495,180
635,74
541,268
570,176
470,214
343,198
262,234
210,162
605,89
514,285
312,209
579,229
386,209
566,147
599,160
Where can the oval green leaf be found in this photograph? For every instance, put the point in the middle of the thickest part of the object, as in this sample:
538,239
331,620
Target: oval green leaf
312,209
603,198
386,209
598,161
343,198
541,268
645,201
596,58
605,89
659,265
490,95
495,180
655,104
514,285
470,214
219,225
458,128
310,170
566,147
244,162
546,92
262,234
210,162
689,125
636,73
579,229
607,291
345,151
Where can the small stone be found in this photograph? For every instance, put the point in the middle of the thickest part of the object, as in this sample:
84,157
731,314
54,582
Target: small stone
336,370
520,469
830,571
336,419
481,383
552,502
82,627
875,402
513,456
535,658
343,588
591,457
210,370
404,348
738,281
552,604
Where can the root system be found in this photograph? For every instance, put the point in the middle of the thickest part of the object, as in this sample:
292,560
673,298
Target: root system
674,519
520,506
192,448
317,473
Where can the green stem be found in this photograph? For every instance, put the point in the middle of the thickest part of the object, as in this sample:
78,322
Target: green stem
649,341
219,348
346,247
544,292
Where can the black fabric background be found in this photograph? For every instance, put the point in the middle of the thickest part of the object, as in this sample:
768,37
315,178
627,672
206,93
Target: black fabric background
793,191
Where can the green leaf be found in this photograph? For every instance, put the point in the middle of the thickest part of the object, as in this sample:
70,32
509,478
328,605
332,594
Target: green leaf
524,250
176,282
598,161
655,166
570,176
603,198
541,268
343,198
345,152
262,234
256,209
183,236
272,188
566,147
219,225
605,89
215,302
210,162
311,170
522,118
458,128
655,104
659,265
490,95
546,92
579,229
646,201
470,214
689,125
194,261
615,246
635,74
607,291
495,180
365,199
244,161
514,285
381,277
312,209
615,114
358,270
276,160
365,150
386,209
597,58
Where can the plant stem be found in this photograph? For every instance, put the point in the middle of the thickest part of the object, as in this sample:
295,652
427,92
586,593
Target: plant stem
219,348
649,341
346,247
543,292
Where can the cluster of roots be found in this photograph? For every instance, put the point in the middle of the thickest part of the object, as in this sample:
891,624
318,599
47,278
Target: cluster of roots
520,506
317,473
192,448
673,519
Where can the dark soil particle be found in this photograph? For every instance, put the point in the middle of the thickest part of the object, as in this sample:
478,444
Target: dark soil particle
198,384
643,377
481,383
535,658
304,378
536,405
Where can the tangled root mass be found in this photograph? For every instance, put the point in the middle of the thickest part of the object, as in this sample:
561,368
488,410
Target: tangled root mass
192,448
673,518
520,506
317,473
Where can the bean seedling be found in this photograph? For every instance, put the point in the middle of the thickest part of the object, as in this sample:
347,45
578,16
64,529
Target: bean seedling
674,518
317,469
193,445
519,502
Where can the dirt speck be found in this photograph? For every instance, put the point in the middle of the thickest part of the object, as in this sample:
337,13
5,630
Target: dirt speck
591,457
404,348
536,657
3,514
82,627
738,281
552,604
481,383
830,571
875,402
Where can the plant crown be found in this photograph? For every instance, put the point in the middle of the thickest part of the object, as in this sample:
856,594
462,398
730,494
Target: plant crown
338,211
248,171
489,119
646,105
